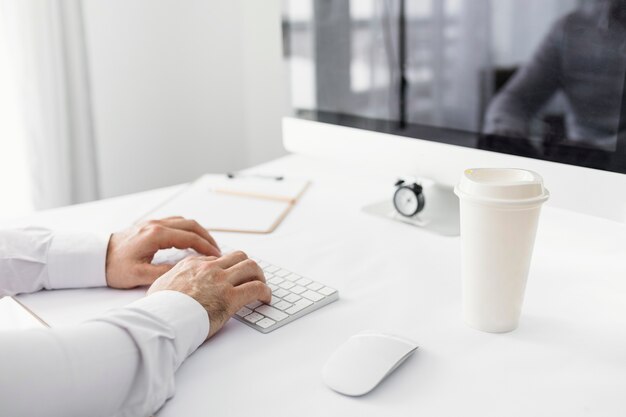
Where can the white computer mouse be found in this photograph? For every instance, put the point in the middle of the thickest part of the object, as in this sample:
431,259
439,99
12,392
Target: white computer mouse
364,360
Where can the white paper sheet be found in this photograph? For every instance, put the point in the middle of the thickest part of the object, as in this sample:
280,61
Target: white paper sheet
210,202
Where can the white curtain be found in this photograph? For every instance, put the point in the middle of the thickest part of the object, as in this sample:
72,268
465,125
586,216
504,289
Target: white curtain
47,44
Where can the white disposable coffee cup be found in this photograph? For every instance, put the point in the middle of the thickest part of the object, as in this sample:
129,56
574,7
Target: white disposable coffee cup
499,215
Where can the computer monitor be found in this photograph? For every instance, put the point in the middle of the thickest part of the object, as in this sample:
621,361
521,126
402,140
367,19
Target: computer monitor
432,87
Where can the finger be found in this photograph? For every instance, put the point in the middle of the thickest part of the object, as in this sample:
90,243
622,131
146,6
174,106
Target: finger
191,226
164,237
252,291
157,221
204,258
243,272
231,259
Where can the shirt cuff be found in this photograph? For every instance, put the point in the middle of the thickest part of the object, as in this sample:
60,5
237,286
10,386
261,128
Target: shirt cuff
188,319
77,260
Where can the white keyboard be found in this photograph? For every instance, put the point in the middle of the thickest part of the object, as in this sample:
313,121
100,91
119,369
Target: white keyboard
293,296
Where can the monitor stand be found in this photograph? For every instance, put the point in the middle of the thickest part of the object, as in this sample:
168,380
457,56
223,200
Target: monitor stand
440,214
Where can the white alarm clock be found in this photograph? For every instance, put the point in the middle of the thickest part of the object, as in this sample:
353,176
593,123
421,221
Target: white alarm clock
408,198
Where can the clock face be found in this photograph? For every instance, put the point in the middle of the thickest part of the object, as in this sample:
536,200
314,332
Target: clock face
406,202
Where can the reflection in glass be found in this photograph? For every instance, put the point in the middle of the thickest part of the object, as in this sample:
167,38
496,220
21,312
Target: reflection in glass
528,77
575,76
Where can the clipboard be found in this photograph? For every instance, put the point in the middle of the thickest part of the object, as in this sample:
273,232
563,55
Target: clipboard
16,316
244,204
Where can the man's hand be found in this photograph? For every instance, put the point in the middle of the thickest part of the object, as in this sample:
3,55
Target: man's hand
130,252
221,285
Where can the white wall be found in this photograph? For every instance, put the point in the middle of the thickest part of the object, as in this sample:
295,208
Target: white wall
265,87
183,87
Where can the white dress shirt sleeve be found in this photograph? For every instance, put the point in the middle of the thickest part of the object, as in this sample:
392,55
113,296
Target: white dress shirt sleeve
121,364
33,259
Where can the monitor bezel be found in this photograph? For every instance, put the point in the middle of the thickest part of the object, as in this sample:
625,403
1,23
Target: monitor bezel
612,161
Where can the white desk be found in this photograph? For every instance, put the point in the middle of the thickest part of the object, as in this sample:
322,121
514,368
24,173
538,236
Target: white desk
567,358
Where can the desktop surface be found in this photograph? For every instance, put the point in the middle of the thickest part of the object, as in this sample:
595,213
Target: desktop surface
566,357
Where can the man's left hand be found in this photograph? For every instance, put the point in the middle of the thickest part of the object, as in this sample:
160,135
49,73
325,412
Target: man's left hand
130,252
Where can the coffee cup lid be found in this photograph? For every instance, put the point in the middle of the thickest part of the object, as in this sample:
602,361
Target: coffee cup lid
509,186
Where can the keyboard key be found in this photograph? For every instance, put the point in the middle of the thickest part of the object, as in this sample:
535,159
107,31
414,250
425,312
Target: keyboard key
275,280
304,282
280,293
271,312
275,300
271,268
286,285
299,305
243,311
292,298
293,277
282,273
326,291
312,295
254,305
282,305
298,289
253,317
265,323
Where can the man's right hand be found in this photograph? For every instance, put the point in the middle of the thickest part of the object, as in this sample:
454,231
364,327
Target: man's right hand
221,285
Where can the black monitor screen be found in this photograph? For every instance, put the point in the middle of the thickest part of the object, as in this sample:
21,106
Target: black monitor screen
535,78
